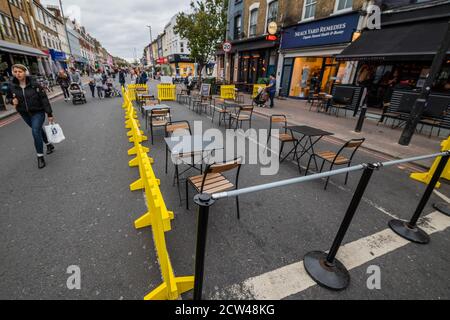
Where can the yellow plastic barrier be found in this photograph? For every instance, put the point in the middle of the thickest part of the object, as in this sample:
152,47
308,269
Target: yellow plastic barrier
256,88
228,92
158,216
426,177
167,92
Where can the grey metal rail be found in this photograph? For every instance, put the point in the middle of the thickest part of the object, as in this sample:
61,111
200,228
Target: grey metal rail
283,183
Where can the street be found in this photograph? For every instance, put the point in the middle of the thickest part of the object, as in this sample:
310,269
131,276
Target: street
79,211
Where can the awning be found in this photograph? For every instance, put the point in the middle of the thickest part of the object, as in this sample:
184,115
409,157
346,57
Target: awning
418,41
19,49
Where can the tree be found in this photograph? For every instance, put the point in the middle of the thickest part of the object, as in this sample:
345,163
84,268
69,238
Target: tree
204,28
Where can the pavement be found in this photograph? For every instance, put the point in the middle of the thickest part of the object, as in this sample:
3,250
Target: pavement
79,211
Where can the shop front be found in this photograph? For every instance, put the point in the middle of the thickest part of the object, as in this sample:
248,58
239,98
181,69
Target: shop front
181,65
12,53
308,53
398,57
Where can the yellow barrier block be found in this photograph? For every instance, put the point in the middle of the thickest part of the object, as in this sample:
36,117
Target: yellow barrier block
427,176
167,92
256,88
228,92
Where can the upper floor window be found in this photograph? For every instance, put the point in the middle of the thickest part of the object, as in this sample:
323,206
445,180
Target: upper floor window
309,10
24,32
253,22
272,12
17,3
6,26
343,5
237,27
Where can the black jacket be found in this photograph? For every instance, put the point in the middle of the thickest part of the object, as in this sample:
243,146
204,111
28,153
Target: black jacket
32,99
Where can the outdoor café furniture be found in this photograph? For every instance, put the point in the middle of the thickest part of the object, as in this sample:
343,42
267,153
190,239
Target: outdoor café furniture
148,108
337,159
305,145
147,103
277,120
323,102
214,181
183,96
243,114
222,107
158,118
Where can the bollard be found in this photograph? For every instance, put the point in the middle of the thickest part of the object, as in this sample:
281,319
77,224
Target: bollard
324,268
409,230
204,201
361,119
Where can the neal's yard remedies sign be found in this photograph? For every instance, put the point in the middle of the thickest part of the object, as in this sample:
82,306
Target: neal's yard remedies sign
328,31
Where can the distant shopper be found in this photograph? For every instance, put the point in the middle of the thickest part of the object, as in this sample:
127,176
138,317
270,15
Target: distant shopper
122,79
143,78
98,79
272,89
63,81
75,76
32,103
92,87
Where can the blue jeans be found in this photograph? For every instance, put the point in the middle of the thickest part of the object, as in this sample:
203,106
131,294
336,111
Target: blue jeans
35,122
272,97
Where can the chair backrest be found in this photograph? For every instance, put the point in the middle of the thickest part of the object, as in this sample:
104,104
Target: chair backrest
353,144
162,112
246,110
178,128
221,168
278,119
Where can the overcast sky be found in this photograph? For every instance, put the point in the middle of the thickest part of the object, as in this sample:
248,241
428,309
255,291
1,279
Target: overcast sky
121,25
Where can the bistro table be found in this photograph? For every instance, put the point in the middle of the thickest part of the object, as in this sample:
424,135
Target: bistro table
310,137
148,109
189,146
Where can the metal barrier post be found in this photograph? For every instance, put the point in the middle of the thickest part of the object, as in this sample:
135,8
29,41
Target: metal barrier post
324,268
204,201
409,230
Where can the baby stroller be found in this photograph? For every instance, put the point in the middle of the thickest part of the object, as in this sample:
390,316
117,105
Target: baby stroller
77,93
111,91
261,99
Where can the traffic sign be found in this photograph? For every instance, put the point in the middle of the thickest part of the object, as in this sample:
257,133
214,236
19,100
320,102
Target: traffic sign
227,47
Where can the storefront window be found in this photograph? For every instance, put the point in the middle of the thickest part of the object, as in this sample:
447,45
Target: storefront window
305,69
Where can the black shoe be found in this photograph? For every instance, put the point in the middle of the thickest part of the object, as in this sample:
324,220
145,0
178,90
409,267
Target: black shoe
50,148
41,162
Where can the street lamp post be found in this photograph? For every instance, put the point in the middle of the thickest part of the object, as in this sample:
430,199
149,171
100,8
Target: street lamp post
150,48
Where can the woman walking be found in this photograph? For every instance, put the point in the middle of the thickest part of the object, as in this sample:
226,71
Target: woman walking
64,82
98,78
32,103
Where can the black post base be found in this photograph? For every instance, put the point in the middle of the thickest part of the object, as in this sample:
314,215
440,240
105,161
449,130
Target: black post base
334,277
413,234
443,208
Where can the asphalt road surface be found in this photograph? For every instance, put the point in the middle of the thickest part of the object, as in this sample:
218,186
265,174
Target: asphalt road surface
79,212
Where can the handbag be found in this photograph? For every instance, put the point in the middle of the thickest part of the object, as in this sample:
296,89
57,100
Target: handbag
54,133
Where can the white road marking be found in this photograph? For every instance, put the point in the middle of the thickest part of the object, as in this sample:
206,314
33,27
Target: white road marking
293,279
443,197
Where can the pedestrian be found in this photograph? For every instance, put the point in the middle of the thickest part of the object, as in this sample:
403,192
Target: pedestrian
32,103
189,81
143,77
75,76
98,79
64,82
92,87
133,77
122,80
272,89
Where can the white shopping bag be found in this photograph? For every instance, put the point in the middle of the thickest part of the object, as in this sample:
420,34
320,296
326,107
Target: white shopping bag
54,133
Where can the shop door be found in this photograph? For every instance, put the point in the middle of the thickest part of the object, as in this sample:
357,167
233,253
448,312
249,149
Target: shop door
286,76
330,71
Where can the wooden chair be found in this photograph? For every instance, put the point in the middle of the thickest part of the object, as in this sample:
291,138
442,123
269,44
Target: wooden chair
338,159
158,118
280,119
244,114
220,108
213,180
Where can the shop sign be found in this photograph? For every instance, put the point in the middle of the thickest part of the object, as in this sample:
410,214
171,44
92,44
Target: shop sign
324,32
272,28
227,47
